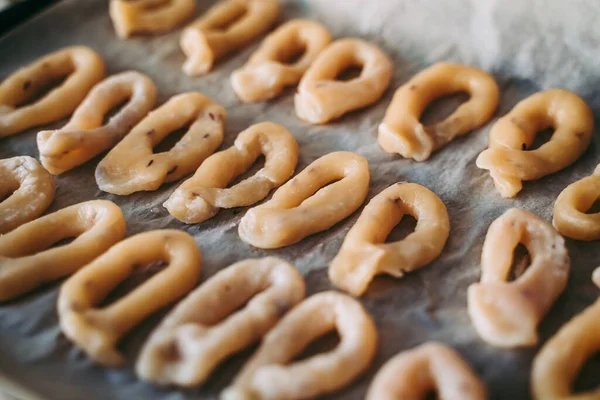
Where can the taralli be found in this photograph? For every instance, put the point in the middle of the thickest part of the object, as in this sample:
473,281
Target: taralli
412,374
364,252
27,262
27,190
84,137
303,206
82,68
507,157
270,372
206,328
228,26
596,277
200,197
132,166
97,330
270,69
506,314
321,98
401,131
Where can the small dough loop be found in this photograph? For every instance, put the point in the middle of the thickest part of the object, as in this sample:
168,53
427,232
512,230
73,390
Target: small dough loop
506,314
596,277
268,71
27,190
132,166
321,98
81,66
84,137
364,252
200,197
97,330
507,157
205,328
269,374
303,206
401,131
226,27
27,262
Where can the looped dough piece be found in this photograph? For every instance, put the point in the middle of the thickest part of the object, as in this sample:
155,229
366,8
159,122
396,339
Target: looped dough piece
84,137
205,328
270,375
268,71
97,330
26,262
364,252
596,277
506,314
321,98
27,189
303,206
401,131
81,66
226,27
132,166
507,157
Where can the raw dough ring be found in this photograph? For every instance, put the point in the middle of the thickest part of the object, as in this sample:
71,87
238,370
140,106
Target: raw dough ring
132,166
268,71
32,189
97,330
412,374
402,133
200,197
507,157
303,207
364,252
270,375
506,314
81,66
84,137
227,26
25,260
206,328
321,98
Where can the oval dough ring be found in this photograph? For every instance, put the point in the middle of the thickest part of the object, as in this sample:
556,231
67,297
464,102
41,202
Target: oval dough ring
200,197
206,328
32,189
303,206
506,314
364,252
83,68
84,137
97,330
132,166
401,131
227,26
507,159
321,98
270,375
26,262
267,73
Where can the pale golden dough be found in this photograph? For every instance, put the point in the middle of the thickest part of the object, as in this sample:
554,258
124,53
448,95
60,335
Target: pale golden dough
268,70
507,157
401,130
81,66
84,137
98,330
270,374
132,166
364,252
596,277
506,314
303,206
26,262
200,197
208,326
